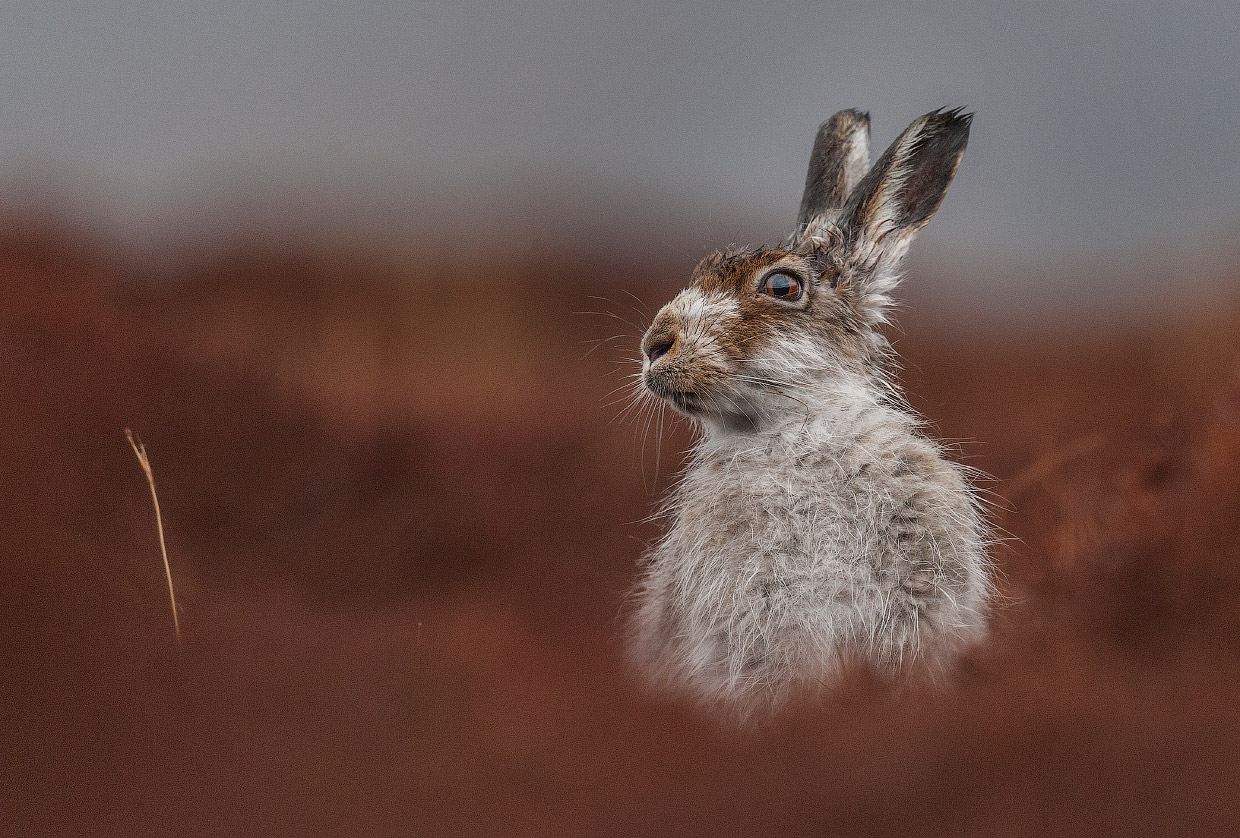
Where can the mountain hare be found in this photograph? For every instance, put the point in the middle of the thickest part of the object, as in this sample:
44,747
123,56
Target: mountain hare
814,523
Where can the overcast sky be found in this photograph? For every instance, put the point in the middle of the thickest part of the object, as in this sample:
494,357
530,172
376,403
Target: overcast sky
1099,127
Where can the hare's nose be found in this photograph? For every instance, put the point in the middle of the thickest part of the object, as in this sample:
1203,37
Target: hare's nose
658,348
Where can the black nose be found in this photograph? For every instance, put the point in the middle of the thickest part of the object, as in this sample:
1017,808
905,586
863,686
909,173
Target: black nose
658,349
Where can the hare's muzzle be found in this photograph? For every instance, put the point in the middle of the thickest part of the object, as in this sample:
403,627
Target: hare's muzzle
659,347
662,336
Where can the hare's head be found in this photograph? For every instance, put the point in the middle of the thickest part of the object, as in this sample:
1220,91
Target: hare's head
757,328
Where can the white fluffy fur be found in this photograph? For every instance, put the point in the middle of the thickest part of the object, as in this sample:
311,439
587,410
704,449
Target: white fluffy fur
829,528
838,531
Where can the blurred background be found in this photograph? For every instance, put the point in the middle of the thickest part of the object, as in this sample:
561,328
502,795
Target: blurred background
1102,163
368,281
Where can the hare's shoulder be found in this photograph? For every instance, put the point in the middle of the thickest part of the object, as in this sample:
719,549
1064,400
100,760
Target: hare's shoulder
858,481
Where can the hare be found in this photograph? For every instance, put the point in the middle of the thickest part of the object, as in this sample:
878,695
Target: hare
815,522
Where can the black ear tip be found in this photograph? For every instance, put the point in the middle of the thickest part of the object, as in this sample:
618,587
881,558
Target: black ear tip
944,128
859,116
846,118
962,117
948,118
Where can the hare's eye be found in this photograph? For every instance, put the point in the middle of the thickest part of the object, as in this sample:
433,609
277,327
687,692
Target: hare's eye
782,286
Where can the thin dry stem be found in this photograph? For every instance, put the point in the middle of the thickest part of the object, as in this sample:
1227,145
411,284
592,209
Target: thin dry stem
140,451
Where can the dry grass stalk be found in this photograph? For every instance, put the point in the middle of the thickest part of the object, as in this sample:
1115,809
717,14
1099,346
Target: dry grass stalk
140,451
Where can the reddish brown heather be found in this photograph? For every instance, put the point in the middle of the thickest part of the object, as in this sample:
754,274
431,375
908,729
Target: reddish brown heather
401,526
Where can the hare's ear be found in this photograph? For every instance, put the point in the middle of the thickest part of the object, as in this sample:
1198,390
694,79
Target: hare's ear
840,157
891,204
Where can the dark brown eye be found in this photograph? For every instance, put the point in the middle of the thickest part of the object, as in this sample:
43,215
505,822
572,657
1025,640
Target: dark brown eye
782,286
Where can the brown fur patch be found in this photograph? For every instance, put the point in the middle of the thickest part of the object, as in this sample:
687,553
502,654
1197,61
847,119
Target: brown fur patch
827,313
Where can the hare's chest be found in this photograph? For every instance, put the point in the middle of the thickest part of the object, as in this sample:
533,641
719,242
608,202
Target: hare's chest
783,514
756,570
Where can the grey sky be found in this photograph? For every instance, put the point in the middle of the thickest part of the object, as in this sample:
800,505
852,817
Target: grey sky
1099,126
